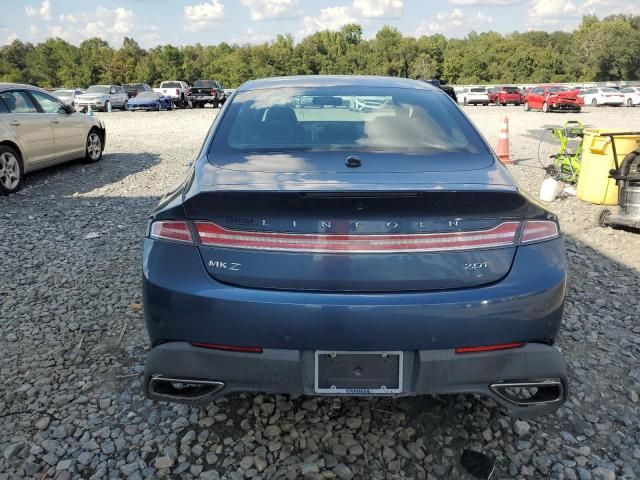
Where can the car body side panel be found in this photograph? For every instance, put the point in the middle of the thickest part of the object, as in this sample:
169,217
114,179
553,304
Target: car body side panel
70,133
182,302
36,137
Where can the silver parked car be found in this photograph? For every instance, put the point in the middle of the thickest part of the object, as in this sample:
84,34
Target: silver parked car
67,95
101,96
37,130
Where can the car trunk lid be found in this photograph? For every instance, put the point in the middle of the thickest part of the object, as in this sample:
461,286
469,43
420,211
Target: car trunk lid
297,232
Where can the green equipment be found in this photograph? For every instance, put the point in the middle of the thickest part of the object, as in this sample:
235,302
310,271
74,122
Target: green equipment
566,163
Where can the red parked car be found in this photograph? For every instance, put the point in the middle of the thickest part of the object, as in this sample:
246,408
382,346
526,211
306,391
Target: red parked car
505,95
550,98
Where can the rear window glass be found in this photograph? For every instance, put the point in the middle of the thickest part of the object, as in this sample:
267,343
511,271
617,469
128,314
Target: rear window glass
205,83
511,89
98,89
478,90
171,85
609,90
344,118
3,107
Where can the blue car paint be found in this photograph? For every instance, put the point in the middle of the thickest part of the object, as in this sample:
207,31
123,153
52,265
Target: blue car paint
149,104
294,302
182,302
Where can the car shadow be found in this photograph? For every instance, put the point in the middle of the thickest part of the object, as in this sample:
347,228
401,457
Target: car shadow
79,177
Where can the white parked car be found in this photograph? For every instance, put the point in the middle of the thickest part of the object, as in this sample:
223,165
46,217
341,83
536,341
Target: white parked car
68,95
602,96
474,96
631,96
37,130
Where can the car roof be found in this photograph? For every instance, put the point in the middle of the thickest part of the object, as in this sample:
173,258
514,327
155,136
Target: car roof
21,86
335,81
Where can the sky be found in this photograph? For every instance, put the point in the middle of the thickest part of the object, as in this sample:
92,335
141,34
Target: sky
184,22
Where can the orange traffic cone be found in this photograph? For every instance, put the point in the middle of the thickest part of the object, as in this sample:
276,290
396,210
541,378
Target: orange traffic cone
502,150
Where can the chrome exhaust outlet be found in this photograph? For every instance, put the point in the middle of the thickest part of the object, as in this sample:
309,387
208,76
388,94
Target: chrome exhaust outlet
543,391
187,390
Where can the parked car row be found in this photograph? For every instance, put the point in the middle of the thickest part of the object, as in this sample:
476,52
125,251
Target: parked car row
140,96
550,97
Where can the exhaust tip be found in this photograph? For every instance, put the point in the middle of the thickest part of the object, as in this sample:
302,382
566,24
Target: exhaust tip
183,389
531,392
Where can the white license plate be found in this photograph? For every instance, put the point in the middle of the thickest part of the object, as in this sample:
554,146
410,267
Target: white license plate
358,373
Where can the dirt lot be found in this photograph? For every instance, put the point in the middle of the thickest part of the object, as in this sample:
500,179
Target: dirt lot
73,344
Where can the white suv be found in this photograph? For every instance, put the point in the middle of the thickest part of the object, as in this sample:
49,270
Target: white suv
474,96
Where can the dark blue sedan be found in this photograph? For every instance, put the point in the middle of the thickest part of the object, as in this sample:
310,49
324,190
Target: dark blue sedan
150,101
352,236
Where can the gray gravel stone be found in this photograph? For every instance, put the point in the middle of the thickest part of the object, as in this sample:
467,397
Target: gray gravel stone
343,472
521,427
73,344
163,462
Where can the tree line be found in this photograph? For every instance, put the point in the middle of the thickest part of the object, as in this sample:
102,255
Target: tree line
598,50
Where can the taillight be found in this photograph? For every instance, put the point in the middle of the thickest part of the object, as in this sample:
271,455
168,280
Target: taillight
489,348
172,230
213,92
228,348
502,235
177,91
537,230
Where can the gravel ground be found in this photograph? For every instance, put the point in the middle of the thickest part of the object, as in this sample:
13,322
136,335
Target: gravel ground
73,344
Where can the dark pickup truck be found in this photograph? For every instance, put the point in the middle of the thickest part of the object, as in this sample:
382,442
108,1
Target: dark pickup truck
206,91
445,88
133,89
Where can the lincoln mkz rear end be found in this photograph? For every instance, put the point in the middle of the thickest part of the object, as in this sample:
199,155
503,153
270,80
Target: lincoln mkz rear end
317,248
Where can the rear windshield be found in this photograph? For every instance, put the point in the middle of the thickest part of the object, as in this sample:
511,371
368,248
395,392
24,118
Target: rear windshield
344,118
171,85
479,90
205,83
98,89
609,90
511,89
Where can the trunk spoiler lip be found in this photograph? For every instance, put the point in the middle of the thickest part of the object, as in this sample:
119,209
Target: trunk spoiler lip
208,177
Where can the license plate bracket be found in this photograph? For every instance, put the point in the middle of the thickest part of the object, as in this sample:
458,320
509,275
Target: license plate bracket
358,373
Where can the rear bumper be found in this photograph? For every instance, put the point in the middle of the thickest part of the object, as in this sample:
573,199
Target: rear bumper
508,99
612,102
201,98
424,372
184,304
